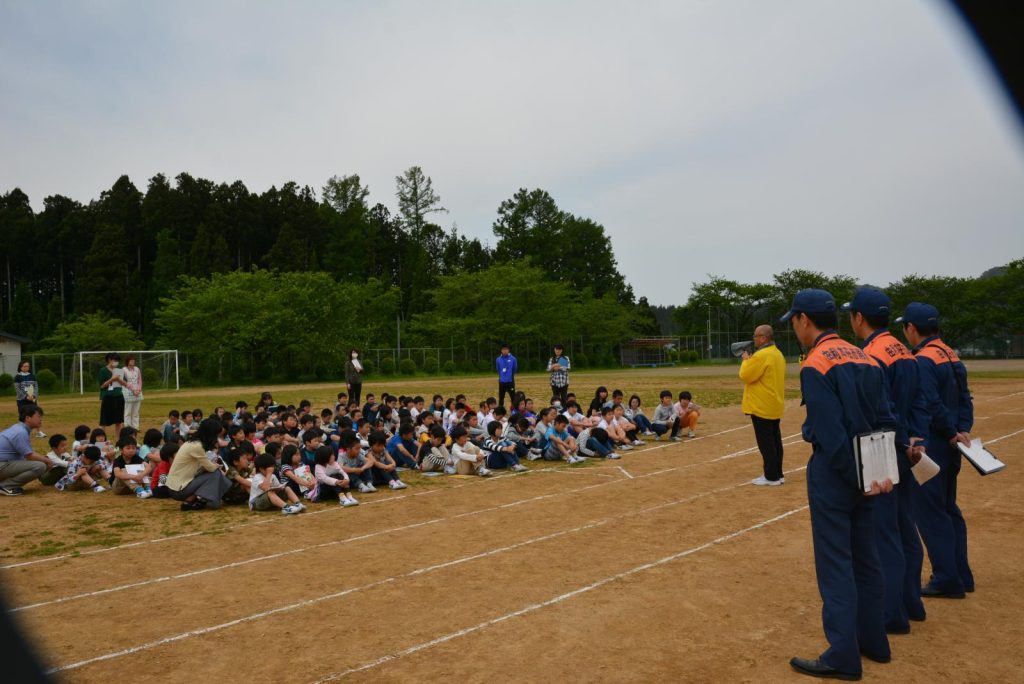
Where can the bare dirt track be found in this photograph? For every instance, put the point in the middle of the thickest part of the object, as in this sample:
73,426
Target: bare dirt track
664,566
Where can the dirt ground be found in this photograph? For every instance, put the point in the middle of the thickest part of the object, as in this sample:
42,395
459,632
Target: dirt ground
663,566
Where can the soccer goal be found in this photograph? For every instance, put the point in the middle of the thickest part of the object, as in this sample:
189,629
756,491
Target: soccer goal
159,368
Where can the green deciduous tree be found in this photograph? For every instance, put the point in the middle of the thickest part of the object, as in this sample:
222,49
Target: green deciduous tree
92,332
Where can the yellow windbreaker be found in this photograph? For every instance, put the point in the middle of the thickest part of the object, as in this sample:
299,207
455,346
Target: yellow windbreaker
764,378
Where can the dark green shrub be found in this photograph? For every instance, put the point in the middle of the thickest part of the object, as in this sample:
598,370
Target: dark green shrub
150,377
407,367
369,367
387,366
430,365
47,379
6,381
483,365
580,360
449,367
185,377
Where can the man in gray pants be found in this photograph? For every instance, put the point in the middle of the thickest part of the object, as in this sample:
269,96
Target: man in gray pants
19,464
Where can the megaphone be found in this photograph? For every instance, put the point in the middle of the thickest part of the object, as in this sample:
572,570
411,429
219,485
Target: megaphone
737,348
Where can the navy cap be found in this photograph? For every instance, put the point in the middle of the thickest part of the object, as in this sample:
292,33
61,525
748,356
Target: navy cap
869,301
921,315
810,301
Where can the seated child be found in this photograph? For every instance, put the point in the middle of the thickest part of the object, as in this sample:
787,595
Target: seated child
58,457
356,466
170,428
433,456
384,469
402,447
594,442
158,478
477,435
469,458
636,415
615,431
150,443
561,445
503,452
131,480
293,472
688,412
87,469
542,428
331,480
239,473
312,438
665,418
627,427
520,432
266,491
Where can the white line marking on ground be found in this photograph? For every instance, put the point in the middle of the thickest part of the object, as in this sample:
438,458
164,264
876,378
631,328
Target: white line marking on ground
143,542
557,599
419,571
1005,396
624,472
999,439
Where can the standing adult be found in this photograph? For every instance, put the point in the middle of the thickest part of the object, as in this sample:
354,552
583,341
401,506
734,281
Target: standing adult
354,376
26,388
764,398
19,463
195,479
844,392
132,390
111,394
507,365
950,409
899,546
558,367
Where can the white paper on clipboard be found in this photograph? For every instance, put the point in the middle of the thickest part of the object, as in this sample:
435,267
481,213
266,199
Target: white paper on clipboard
983,460
876,458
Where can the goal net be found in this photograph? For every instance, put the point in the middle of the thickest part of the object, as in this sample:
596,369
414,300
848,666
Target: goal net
159,368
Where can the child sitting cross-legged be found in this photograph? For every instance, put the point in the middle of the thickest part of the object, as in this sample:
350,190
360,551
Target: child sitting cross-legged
520,432
469,458
504,453
267,492
59,458
356,466
402,447
561,445
87,469
130,470
158,478
433,455
293,472
331,480
384,469
239,473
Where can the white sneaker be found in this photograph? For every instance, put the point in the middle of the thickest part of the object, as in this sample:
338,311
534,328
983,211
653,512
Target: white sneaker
613,456
301,506
484,472
625,447
40,434
450,470
638,442
534,456
677,438
99,489
370,488
764,482
349,501
289,510
573,460
397,484
648,433
691,434
519,468
143,493
364,488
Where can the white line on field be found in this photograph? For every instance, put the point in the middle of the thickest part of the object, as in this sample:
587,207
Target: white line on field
413,573
1005,396
557,599
999,439
363,537
175,537
624,472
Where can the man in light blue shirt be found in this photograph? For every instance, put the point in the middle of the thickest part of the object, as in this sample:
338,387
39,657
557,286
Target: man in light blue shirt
19,464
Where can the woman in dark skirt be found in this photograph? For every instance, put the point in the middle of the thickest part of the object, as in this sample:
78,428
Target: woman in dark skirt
354,376
111,395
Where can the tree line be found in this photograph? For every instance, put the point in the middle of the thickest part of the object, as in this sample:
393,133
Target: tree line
129,254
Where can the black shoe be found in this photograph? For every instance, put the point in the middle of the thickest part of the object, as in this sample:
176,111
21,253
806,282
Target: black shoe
897,630
12,491
879,659
970,589
816,668
918,618
931,591
196,505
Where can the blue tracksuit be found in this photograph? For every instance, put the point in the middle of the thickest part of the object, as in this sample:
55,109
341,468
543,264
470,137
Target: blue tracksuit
899,547
506,367
950,410
844,392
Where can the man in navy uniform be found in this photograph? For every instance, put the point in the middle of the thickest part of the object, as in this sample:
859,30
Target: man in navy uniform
899,547
844,392
951,417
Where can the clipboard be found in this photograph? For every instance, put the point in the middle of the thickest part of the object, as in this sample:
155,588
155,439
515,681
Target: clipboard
983,460
875,453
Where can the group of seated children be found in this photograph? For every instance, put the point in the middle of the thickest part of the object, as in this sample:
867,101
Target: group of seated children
281,456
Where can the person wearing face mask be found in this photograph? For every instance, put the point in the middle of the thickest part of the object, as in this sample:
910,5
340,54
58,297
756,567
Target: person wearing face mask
354,376
111,394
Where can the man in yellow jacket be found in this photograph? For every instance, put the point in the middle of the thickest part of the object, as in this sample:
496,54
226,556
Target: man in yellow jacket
764,393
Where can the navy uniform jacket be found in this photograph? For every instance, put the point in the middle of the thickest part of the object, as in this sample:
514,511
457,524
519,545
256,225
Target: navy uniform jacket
903,382
844,390
944,388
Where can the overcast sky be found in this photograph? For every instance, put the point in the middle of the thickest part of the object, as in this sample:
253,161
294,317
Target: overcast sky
733,138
